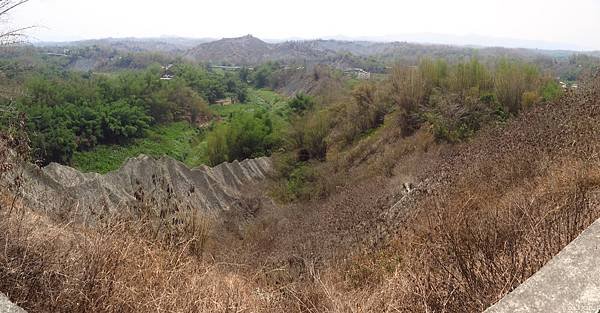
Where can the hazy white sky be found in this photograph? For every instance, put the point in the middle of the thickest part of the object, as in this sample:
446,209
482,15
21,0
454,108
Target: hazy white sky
573,22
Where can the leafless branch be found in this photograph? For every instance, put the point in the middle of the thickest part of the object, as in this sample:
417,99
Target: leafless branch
12,36
8,5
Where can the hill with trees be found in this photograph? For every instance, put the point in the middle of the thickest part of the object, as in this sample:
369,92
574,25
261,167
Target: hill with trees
372,56
240,175
161,44
108,55
491,168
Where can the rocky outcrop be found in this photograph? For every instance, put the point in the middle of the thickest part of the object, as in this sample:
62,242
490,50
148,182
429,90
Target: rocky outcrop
218,189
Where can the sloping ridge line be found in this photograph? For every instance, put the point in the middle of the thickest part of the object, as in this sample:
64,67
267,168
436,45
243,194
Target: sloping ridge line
209,189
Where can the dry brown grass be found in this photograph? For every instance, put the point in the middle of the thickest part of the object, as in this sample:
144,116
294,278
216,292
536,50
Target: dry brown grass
464,249
135,262
151,259
500,208
469,249
464,256
493,213
507,204
112,268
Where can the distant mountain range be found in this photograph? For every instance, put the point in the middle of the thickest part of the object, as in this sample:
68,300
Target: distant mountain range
249,50
160,44
467,40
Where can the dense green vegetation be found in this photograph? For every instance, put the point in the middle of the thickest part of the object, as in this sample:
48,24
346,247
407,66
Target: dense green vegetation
262,119
456,99
249,130
75,112
211,85
202,116
71,112
179,140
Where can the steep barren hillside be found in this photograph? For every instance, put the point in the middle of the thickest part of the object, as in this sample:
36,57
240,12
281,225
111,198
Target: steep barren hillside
319,81
142,179
514,156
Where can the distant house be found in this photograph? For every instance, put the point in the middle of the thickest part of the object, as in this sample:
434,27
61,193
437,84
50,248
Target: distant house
230,68
565,86
167,74
57,54
224,102
363,75
287,68
359,73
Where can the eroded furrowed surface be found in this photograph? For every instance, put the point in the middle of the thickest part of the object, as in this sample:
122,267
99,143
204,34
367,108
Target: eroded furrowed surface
211,190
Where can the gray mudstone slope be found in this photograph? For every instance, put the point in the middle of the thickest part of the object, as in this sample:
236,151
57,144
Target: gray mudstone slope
8,307
569,283
211,190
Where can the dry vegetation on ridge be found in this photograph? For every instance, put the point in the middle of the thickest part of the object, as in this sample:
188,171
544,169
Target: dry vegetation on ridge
484,216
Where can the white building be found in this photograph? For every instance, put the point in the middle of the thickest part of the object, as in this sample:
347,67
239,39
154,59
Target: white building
359,73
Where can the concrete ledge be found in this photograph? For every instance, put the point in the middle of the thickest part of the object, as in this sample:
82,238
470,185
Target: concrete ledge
8,307
569,283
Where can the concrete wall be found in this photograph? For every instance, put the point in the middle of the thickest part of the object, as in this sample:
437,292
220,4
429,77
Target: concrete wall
7,307
569,283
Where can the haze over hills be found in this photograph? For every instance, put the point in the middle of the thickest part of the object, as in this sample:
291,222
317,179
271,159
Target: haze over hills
467,40
472,40
249,50
372,56
160,44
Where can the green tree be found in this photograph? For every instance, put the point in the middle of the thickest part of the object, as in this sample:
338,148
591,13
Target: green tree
122,121
551,90
217,146
512,80
301,103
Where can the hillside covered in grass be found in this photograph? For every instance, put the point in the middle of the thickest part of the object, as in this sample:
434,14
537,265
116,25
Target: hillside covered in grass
443,227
